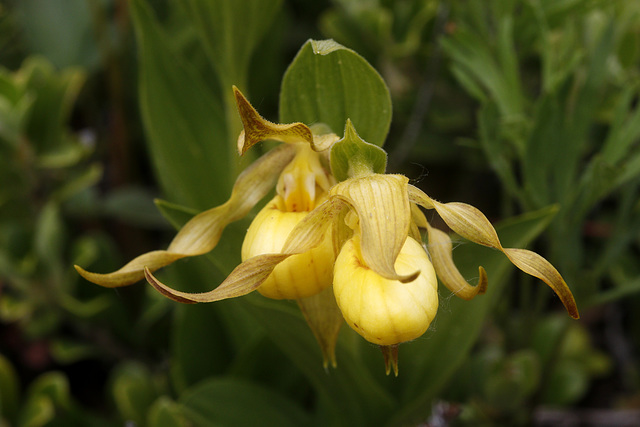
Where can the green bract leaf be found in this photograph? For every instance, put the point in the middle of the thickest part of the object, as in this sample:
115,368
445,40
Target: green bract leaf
329,83
352,155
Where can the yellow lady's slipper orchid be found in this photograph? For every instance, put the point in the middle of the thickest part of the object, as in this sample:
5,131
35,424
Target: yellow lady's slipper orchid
384,280
301,186
383,311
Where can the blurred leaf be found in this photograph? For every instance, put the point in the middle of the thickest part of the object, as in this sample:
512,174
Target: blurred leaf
66,351
341,390
184,121
49,239
540,156
55,93
205,337
328,83
235,402
583,106
458,323
625,127
480,67
166,413
60,30
494,147
516,380
567,383
14,108
85,308
200,345
176,214
54,385
47,399
133,392
366,29
628,288
230,30
13,309
9,389
133,205
77,182
37,412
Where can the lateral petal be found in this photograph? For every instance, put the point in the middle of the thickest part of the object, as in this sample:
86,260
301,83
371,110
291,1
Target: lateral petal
537,266
441,250
471,224
202,233
249,275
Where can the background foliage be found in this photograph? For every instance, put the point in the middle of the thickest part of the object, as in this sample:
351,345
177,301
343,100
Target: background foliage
527,109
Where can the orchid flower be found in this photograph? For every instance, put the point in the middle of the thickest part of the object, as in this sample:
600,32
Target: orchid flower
340,237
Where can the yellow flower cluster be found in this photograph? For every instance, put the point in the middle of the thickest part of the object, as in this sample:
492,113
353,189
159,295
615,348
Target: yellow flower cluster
347,250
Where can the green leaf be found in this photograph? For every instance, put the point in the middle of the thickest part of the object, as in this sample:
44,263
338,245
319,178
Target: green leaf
515,380
343,390
539,159
433,360
566,384
166,413
329,83
9,389
184,121
176,214
133,392
230,30
67,351
48,399
49,238
38,412
625,127
134,205
64,32
235,402
352,155
205,337
474,61
55,386
54,94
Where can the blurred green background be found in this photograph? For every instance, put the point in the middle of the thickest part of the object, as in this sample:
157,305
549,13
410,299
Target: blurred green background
527,109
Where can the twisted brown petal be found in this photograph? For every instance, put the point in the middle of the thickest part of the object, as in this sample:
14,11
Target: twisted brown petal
440,251
257,129
471,224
